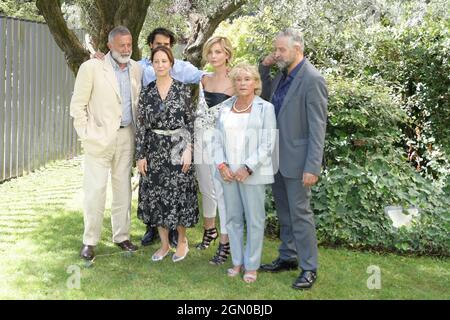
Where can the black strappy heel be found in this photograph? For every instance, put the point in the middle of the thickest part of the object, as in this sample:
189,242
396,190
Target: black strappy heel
208,236
222,253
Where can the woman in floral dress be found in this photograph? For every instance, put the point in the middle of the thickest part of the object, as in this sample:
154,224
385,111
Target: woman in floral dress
167,189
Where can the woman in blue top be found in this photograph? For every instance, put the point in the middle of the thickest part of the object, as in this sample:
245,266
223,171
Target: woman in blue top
243,150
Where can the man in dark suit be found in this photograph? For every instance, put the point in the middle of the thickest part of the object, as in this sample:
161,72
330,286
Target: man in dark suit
300,96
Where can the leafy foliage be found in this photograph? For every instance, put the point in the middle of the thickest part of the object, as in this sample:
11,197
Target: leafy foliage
418,65
366,172
362,178
349,206
405,44
387,69
362,119
409,51
20,9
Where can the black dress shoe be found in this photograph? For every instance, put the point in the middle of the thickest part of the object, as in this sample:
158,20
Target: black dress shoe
127,246
87,252
173,238
150,235
279,265
305,280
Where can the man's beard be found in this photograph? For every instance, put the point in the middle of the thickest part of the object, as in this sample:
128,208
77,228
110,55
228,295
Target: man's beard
120,58
283,65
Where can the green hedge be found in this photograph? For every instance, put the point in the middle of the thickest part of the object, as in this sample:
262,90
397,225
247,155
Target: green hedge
366,171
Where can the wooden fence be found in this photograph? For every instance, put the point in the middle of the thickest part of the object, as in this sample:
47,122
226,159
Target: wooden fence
35,90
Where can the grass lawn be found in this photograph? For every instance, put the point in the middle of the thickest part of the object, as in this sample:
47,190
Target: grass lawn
41,226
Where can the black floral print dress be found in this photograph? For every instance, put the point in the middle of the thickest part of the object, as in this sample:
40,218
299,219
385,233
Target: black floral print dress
167,196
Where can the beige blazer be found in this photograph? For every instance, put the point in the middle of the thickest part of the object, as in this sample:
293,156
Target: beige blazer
96,103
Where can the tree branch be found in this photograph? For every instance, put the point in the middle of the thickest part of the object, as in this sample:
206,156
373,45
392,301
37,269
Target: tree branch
203,27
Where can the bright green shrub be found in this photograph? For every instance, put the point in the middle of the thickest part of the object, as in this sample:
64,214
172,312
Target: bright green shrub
366,172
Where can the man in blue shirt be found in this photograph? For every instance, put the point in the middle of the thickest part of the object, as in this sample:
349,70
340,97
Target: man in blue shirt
299,95
182,71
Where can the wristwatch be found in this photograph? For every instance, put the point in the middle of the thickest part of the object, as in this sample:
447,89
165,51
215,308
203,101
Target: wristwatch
250,171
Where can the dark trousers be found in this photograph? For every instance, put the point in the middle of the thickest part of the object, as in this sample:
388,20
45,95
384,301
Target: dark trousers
297,226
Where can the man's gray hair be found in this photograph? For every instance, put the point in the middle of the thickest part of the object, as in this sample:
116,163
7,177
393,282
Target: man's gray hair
118,30
295,37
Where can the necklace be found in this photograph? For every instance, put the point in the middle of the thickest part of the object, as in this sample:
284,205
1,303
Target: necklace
243,110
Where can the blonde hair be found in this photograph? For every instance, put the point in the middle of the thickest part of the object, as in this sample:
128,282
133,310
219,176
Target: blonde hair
246,67
223,41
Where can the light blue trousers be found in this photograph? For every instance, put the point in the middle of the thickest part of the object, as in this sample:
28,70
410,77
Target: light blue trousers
245,202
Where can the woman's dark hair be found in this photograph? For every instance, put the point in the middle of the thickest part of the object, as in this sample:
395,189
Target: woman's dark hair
163,31
166,51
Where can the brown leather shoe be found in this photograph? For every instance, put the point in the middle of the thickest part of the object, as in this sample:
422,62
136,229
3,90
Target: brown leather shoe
127,246
87,252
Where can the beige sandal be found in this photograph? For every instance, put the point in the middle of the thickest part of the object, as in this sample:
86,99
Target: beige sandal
231,272
250,277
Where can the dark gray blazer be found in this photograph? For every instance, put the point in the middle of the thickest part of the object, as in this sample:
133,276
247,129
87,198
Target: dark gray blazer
301,120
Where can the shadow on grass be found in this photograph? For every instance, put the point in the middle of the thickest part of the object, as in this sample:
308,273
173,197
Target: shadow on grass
54,248
50,251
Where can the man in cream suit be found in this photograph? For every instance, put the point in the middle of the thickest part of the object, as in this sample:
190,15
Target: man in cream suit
103,106
299,94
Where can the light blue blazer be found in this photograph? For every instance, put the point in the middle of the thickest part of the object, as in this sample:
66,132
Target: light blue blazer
260,140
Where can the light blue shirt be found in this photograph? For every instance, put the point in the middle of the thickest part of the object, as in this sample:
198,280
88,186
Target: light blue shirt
182,71
123,79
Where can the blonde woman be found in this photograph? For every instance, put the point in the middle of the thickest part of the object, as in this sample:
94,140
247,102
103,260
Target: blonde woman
215,88
246,133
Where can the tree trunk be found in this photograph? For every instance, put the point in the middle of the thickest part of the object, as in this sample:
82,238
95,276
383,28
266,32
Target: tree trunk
65,38
203,27
129,13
